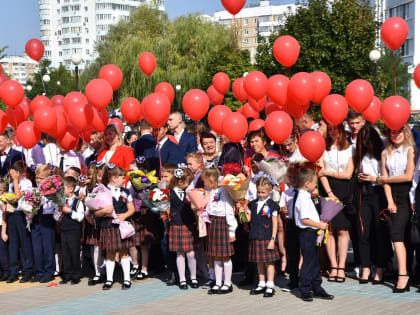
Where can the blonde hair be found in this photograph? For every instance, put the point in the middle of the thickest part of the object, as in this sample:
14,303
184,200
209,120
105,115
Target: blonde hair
211,174
196,156
113,128
43,169
408,139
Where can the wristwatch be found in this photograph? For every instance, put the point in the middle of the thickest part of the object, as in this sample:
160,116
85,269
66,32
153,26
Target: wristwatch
273,238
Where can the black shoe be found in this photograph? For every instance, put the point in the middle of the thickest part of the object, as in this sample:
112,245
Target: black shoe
323,295
36,279
46,279
245,282
94,281
63,281
194,284
307,297
12,279
171,280
107,285
363,281
214,289
25,278
142,275
126,285
183,285
208,284
134,272
75,281
376,282
257,290
405,289
269,292
225,289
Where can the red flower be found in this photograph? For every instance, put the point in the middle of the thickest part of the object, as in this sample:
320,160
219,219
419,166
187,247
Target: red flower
231,168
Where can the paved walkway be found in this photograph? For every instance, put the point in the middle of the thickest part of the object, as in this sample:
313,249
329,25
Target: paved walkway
152,296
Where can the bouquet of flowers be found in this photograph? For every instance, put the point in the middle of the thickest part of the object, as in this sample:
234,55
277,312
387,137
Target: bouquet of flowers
236,186
157,200
141,180
99,198
274,166
30,203
329,209
52,188
10,200
199,199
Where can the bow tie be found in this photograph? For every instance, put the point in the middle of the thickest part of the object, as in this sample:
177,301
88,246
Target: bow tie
3,154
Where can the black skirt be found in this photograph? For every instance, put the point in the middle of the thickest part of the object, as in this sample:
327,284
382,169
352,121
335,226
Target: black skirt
343,190
399,221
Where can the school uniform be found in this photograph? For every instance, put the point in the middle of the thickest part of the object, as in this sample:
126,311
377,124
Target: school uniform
70,234
223,224
187,143
68,159
43,231
260,233
4,254
146,141
90,231
164,153
181,228
8,158
109,233
19,236
310,278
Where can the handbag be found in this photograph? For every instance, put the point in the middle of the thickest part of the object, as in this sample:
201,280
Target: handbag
126,229
414,228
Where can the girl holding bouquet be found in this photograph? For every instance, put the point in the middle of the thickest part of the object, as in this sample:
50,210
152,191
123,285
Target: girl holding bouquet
181,228
220,232
109,233
195,165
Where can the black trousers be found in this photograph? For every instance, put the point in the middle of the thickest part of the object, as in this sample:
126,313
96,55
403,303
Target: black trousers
292,252
4,258
310,277
70,252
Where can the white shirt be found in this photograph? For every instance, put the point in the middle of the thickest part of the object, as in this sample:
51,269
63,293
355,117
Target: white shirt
371,166
51,153
180,193
415,182
221,205
286,199
261,204
4,157
396,163
24,185
305,209
337,161
178,136
71,159
296,157
78,214
162,142
108,155
117,192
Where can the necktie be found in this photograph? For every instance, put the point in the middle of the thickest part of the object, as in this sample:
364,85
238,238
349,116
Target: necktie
296,193
62,164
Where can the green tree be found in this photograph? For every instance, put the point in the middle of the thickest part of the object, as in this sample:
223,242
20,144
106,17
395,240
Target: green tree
2,54
188,51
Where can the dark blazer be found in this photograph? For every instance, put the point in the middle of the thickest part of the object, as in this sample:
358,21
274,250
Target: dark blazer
232,153
143,143
261,225
11,158
187,144
169,153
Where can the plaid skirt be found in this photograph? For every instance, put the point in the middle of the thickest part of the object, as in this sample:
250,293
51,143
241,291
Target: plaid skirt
259,253
90,235
110,238
218,244
181,238
147,226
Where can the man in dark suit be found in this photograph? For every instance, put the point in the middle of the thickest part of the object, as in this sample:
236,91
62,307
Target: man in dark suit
187,142
8,156
146,140
169,151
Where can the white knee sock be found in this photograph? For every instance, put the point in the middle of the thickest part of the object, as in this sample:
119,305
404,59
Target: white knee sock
261,284
180,263
218,270
110,265
125,264
192,264
97,259
270,284
228,272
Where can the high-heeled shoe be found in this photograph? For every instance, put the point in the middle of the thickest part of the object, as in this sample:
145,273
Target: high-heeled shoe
405,289
340,279
332,278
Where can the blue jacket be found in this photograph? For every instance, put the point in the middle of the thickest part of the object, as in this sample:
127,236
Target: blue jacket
11,158
187,144
169,153
145,142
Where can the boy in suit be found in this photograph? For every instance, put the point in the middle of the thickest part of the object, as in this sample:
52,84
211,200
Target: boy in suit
187,143
8,156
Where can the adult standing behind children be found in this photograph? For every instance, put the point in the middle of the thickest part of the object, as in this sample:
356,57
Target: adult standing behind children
187,142
8,156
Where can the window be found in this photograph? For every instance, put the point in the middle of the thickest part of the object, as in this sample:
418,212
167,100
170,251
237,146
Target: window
246,31
86,30
45,22
77,29
86,9
87,40
60,53
75,7
46,42
66,41
407,49
75,19
65,30
65,20
255,40
86,20
76,40
246,41
87,51
255,21
45,32
404,11
246,21
48,53
65,8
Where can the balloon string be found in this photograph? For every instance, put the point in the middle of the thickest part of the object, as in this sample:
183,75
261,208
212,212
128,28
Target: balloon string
156,134
395,72
235,30
42,80
198,134
359,147
150,84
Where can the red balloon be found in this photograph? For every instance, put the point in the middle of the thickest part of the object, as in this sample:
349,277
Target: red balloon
70,138
322,86
221,82
334,109
239,90
235,127
258,105
394,32
216,116
278,126
26,107
167,89
395,112
286,50
296,110
57,100
72,99
233,6
240,110
312,145
40,101
81,116
255,84
416,76
99,93
359,94
1,68
249,112
277,89
373,112
12,93
100,119
34,49
45,119
272,107
3,78
15,115
147,63
196,104
157,108
28,134
256,124
112,74
3,121
86,134
301,88
117,122
131,110
61,125
214,96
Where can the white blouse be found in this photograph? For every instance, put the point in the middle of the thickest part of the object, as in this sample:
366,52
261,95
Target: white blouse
370,166
396,163
221,205
337,161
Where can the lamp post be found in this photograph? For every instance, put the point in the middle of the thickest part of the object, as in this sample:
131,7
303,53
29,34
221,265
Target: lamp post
374,56
178,91
76,59
46,78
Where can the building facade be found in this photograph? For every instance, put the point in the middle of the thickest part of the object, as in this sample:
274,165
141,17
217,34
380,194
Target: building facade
75,26
19,68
